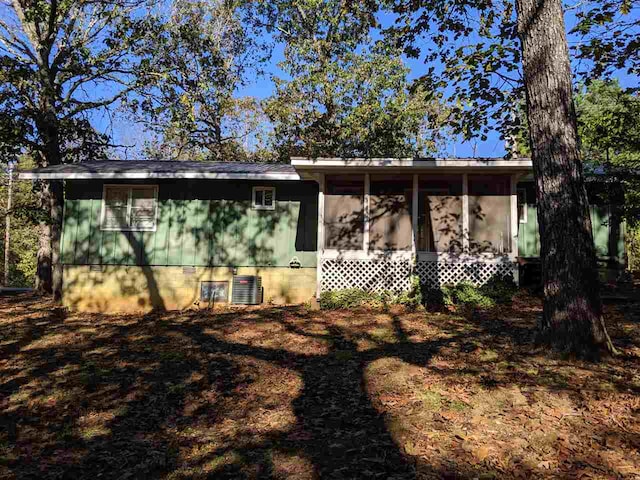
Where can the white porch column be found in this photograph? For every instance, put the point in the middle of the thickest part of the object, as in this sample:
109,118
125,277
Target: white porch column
414,214
320,247
514,227
514,216
367,192
465,213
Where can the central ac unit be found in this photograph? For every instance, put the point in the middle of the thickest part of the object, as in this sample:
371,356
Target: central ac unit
246,290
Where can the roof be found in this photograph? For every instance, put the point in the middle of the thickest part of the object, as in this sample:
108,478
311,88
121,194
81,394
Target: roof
143,169
303,163
299,168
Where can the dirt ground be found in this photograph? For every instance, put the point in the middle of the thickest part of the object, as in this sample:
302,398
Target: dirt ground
298,394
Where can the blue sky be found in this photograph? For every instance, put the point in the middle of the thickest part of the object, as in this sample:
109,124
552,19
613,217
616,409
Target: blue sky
262,87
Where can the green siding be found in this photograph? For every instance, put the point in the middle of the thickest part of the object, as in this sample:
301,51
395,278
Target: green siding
529,235
200,223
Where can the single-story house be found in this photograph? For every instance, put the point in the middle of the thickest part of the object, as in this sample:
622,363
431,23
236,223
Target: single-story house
139,235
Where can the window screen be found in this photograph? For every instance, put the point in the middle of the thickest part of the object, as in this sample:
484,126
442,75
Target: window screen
390,212
440,213
344,212
489,214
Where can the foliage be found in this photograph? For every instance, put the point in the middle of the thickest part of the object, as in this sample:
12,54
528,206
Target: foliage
203,53
466,294
608,124
499,289
610,33
61,61
356,297
344,94
633,247
412,298
472,58
24,230
347,298
610,139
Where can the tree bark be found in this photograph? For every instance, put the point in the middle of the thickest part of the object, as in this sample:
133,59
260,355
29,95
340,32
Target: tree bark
43,271
49,269
572,319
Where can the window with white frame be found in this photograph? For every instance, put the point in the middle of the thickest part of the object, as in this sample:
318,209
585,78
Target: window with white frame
129,207
264,198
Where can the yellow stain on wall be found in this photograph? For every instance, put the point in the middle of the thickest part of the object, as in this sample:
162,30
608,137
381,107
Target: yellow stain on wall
141,289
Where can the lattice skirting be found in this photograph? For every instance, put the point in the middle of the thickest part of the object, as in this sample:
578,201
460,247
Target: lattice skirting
370,275
394,275
442,273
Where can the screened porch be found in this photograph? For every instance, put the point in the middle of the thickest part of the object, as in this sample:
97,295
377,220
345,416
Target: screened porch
377,229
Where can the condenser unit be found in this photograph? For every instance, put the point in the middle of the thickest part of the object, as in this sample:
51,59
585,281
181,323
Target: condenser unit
246,290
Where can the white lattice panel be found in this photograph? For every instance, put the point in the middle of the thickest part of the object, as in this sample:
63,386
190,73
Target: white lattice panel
370,275
441,273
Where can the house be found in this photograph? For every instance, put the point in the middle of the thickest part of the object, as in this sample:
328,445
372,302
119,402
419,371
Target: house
146,234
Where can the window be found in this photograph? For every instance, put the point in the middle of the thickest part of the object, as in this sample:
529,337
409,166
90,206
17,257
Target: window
264,198
522,205
129,207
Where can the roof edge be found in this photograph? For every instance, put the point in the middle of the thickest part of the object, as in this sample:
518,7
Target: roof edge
146,175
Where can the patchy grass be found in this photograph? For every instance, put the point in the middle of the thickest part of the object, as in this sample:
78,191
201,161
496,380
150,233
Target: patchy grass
293,393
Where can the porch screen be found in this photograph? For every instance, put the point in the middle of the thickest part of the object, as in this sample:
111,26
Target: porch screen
489,214
390,212
440,213
344,212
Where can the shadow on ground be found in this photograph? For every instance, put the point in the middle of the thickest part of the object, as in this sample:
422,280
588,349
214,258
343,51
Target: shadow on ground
291,393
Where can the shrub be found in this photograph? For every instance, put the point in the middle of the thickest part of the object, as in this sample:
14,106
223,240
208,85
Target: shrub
412,299
347,298
497,290
355,297
500,288
466,294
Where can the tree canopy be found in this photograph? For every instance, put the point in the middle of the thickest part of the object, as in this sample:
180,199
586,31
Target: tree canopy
344,93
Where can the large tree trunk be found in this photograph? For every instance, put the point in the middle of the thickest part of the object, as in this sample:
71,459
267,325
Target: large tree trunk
44,284
49,269
572,319
57,201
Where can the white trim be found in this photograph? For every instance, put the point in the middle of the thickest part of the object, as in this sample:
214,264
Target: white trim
408,255
255,206
366,235
320,245
465,213
414,212
314,163
130,188
370,255
514,217
144,175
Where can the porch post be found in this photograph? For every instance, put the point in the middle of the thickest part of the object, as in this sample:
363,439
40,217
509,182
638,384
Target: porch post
367,192
465,213
414,214
514,225
320,247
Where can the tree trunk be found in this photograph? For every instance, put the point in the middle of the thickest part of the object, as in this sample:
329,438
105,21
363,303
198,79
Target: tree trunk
572,319
52,198
43,271
57,201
